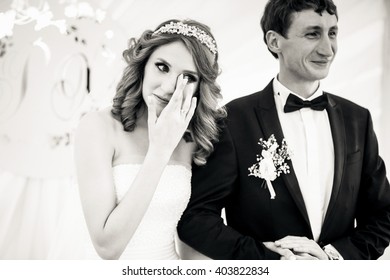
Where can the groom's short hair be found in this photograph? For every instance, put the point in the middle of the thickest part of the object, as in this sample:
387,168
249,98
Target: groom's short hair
277,14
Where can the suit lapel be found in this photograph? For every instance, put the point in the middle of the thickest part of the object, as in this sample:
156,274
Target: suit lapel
269,122
336,121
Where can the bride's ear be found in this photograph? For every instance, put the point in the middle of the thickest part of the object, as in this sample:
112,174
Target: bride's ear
273,41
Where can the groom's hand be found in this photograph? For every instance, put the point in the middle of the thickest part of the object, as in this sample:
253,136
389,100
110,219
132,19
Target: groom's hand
302,247
285,254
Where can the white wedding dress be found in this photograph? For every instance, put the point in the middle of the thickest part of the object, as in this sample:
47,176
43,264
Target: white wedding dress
155,236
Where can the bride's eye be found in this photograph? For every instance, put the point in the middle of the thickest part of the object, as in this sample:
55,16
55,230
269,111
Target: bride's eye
191,78
162,67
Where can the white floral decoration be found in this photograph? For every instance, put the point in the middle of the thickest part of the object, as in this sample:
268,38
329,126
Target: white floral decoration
190,31
271,163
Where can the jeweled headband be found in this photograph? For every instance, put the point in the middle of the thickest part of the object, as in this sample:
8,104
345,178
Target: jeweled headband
190,31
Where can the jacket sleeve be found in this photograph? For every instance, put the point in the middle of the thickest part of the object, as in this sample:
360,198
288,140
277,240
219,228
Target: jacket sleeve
371,234
201,225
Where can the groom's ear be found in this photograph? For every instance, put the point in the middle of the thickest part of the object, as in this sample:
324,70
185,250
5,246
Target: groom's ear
273,41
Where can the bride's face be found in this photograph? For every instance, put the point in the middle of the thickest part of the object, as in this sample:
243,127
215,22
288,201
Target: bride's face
162,70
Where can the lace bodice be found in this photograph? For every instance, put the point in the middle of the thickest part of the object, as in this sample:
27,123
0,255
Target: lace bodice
155,235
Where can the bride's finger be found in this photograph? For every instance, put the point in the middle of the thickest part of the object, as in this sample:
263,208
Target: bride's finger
191,111
152,115
177,97
187,98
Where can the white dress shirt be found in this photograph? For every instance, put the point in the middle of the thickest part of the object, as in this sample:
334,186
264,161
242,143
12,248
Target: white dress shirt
308,134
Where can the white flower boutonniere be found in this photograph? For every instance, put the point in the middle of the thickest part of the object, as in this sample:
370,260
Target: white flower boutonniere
271,163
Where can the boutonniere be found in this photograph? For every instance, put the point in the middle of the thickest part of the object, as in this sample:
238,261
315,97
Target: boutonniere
271,163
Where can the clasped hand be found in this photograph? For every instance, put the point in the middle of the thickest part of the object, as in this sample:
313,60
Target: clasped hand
166,130
297,248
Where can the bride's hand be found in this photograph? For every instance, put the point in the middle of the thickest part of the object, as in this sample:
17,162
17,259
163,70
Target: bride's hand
166,130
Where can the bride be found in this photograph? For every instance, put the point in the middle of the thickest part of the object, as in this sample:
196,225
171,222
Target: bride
133,161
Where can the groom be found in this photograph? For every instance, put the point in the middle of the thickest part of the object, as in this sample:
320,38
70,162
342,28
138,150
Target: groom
335,201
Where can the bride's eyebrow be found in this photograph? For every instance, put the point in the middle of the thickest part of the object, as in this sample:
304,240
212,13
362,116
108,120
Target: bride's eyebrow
163,61
186,71
191,72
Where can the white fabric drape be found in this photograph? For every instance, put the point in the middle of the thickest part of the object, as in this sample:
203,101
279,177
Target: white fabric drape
40,219
30,209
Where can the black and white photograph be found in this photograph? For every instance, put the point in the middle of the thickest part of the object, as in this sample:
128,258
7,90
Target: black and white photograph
207,130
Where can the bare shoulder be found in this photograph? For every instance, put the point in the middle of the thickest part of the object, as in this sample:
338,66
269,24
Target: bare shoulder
101,117
96,121
94,138
95,126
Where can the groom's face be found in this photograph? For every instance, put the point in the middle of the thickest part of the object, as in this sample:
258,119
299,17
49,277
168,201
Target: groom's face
310,47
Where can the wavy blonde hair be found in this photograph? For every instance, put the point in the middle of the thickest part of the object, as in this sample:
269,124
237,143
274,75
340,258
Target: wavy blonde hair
128,98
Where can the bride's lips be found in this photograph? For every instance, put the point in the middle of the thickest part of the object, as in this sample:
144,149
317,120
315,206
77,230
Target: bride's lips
161,99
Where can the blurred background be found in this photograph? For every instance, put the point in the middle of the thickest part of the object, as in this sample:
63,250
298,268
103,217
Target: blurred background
60,59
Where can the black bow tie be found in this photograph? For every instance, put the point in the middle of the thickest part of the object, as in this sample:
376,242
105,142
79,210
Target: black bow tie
294,103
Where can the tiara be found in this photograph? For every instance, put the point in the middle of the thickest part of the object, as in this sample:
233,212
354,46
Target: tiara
190,31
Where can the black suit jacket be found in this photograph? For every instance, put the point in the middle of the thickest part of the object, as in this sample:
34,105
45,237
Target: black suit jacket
357,222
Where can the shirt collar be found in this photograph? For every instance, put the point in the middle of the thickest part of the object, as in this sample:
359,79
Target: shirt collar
282,92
